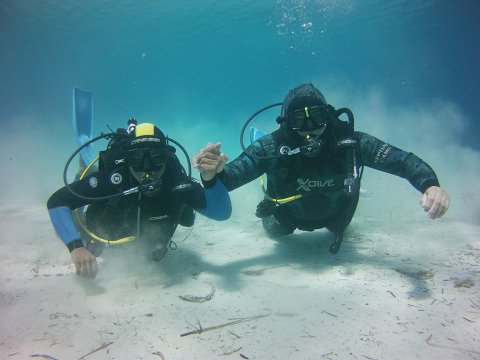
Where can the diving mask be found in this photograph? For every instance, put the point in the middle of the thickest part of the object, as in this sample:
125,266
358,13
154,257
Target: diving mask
308,119
146,159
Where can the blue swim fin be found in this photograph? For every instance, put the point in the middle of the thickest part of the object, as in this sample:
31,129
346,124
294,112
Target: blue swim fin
256,134
83,122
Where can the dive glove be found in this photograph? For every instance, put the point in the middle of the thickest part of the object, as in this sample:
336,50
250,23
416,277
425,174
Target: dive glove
266,208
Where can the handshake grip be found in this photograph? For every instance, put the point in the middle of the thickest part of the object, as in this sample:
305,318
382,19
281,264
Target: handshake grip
266,208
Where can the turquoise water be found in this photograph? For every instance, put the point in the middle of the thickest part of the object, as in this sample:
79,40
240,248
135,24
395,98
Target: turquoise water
200,68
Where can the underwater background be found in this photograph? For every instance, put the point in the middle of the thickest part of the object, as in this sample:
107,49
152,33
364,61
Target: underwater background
409,70
401,287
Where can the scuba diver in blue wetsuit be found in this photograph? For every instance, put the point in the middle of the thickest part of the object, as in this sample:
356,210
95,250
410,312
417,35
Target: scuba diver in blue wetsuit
314,164
140,191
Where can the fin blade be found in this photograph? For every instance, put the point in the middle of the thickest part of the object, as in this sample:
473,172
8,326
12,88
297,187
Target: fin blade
256,134
83,121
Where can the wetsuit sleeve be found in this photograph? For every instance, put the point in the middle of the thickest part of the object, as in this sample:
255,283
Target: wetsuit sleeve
62,220
216,200
245,168
62,202
382,156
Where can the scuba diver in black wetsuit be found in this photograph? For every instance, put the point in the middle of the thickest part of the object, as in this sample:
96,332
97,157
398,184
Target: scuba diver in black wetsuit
139,191
314,164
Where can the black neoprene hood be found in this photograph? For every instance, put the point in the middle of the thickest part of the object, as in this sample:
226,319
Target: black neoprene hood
304,95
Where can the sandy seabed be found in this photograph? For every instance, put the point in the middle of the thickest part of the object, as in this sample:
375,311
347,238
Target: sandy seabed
406,289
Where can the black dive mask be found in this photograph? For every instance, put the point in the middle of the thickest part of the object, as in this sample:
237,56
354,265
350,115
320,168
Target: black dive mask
308,126
308,118
146,159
